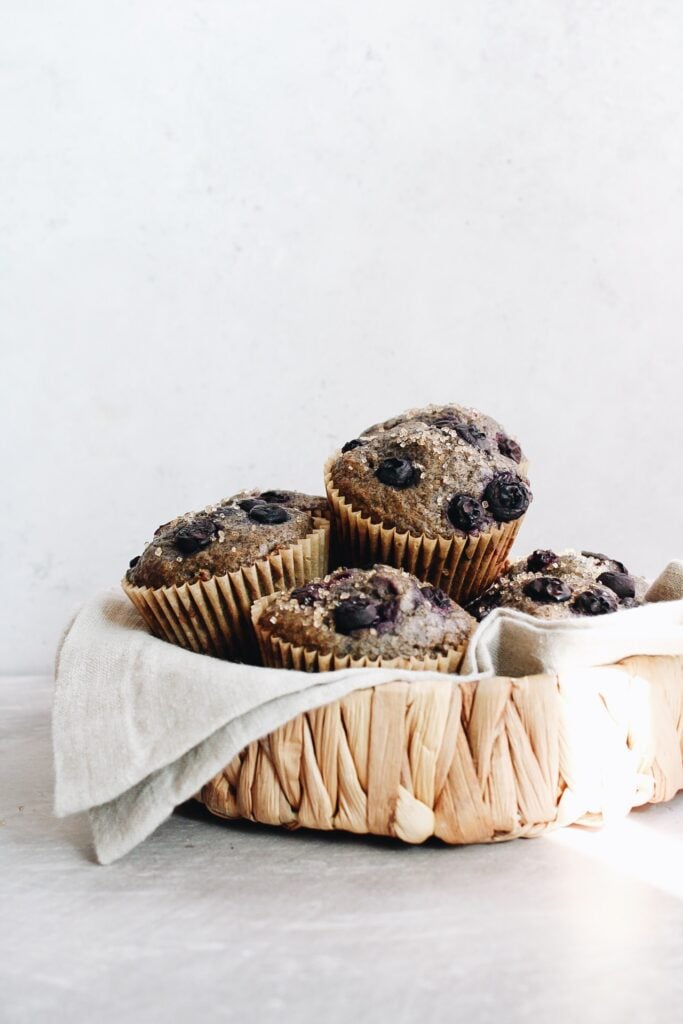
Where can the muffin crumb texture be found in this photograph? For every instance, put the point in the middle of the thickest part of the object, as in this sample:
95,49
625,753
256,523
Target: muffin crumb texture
380,612
564,586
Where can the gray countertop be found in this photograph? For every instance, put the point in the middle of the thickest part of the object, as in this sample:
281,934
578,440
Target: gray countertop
210,920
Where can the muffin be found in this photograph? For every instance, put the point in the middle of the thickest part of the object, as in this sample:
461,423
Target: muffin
353,618
564,586
316,504
440,492
195,582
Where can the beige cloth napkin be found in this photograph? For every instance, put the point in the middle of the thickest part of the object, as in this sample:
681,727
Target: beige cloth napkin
140,725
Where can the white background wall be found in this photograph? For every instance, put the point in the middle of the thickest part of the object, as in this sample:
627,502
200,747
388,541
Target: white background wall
232,234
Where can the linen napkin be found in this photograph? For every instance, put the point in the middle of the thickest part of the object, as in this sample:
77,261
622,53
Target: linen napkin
139,725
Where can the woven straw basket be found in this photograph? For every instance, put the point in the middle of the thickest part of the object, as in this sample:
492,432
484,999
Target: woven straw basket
469,762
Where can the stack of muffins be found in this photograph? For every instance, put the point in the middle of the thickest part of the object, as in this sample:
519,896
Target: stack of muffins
421,511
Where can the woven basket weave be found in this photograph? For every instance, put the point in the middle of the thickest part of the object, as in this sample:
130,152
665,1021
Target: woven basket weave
471,762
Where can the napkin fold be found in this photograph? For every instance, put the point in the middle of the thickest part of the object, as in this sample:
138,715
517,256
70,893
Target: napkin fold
139,725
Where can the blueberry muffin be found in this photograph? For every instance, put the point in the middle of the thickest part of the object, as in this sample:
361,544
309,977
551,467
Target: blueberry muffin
564,586
195,582
357,617
440,491
316,504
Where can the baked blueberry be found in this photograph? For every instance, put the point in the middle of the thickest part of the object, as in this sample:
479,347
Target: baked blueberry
192,537
507,497
595,601
133,562
470,433
354,613
623,585
509,448
270,515
481,606
350,445
275,497
547,590
246,504
466,513
396,472
436,596
307,594
540,559
313,503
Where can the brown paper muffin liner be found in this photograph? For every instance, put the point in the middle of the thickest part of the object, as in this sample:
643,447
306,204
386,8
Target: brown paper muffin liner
279,653
462,566
213,616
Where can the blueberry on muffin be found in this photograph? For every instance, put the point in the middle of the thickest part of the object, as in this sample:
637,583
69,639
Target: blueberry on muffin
446,474
552,586
356,617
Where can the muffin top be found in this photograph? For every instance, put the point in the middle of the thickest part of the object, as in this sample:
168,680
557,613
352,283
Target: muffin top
233,533
564,586
316,504
439,471
380,612
496,436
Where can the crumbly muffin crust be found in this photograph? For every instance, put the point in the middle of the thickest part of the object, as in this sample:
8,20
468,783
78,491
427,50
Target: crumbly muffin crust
438,471
224,537
316,504
552,586
380,612
496,435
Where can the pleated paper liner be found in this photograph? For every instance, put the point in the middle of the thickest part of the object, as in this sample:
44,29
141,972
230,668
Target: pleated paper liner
462,566
214,616
279,653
